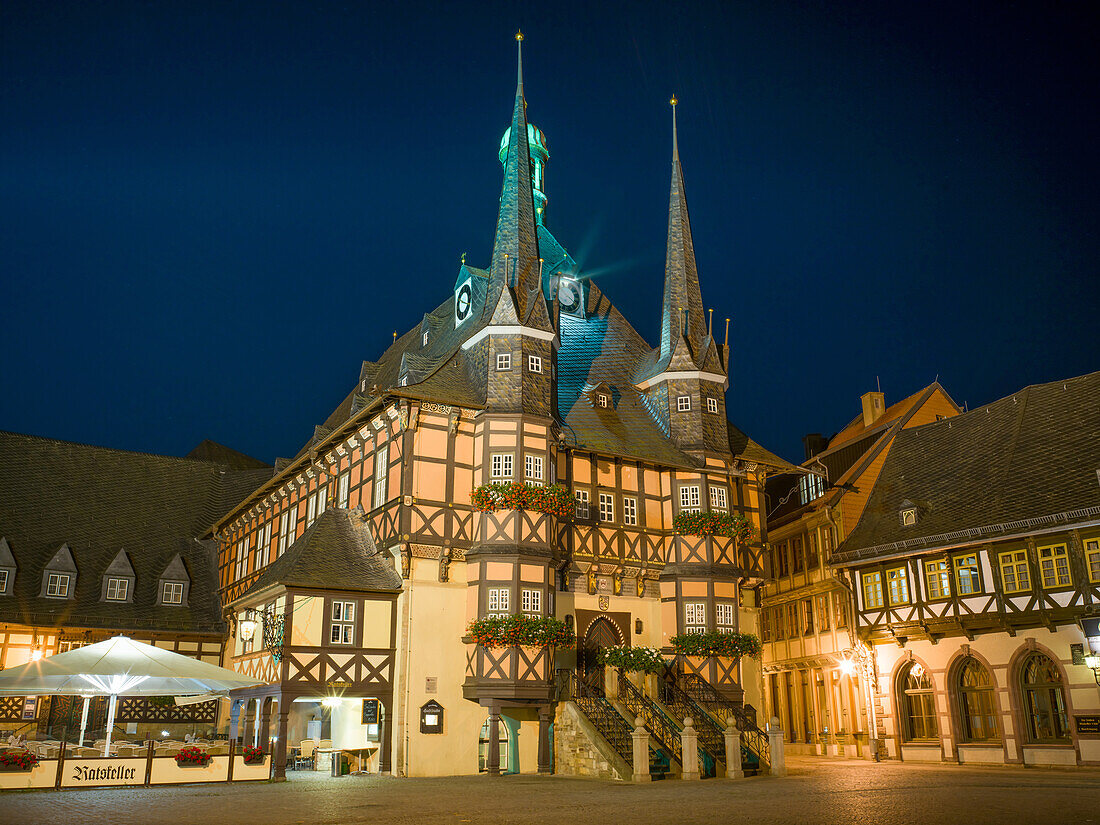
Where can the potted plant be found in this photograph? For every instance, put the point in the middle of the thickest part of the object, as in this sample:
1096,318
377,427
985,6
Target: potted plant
554,500
640,662
17,760
253,754
193,758
715,643
714,523
518,629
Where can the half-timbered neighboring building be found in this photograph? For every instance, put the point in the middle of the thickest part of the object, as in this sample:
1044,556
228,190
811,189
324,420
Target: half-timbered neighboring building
525,372
814,683
976,567
96,542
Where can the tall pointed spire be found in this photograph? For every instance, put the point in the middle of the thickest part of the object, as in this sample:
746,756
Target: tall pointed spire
682,319
515,261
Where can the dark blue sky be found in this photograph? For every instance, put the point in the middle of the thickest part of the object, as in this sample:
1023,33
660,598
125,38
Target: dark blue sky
210,213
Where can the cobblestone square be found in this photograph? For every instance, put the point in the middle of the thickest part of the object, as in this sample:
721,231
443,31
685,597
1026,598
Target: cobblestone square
815,791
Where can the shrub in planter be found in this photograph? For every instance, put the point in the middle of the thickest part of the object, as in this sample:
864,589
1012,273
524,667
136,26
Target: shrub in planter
532,631
161,701
633,659
252,754
193,758
17,760
554,500
714,523
713,643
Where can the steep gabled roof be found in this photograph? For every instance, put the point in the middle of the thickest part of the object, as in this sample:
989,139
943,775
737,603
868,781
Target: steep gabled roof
1033,455
337,552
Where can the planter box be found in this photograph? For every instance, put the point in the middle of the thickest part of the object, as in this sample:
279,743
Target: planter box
193,764
15,768
259,760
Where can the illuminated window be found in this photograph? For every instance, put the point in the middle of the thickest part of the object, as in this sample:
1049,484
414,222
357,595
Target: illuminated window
938,579
689,498
978,709
712,405
823,611
966,575
424,339
683,403
1044,700
534,363
1015,573
497,601
897,582
607,507
285,539
501,465
908,517
695,617
601,399
1092,560
630,510
531,601
504,361
840,605
917,705
807,617
263,550
117,589
581,499
1054,566
872,590
342,629
810,487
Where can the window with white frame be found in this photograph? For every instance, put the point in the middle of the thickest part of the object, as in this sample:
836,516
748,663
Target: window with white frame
3,581
504,361
322,500
500,465
497,602
683,403
532,467
689,498
284,531
607,507
381,473
263,552
171,593
534,363
601,399
311,509
718,498
581,499
57,584
424,339
117,589
342,629
343,489
531,601
242,556
810,487
695,617
723,617
630,510
712,405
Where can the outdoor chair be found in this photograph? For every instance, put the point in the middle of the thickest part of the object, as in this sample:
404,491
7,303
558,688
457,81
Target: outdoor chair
305,754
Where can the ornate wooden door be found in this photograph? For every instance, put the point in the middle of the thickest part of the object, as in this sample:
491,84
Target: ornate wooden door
600,634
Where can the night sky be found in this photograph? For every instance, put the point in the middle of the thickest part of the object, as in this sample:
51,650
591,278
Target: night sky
211,213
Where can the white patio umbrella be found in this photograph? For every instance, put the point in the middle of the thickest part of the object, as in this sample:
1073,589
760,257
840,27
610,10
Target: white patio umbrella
120,667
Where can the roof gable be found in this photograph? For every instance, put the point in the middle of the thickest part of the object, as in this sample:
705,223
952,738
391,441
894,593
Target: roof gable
120,566
176,570
6,558
62,560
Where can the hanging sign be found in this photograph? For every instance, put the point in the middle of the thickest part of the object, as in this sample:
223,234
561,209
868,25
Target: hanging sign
30,707
1088,724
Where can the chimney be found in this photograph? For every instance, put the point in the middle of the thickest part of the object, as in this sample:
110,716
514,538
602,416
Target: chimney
874,405
813,443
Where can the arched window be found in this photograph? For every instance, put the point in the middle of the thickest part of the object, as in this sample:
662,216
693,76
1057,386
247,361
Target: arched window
917,705
1044,700
483,745
976,706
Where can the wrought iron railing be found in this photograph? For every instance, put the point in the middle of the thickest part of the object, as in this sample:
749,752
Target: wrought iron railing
600,712
720,708
711,735
659,725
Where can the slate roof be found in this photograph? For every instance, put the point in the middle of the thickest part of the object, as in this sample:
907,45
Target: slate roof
99,501
1033,455
337,552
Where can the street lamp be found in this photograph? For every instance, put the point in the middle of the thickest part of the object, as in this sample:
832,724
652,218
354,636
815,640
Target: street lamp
1092,662
861,660
248,626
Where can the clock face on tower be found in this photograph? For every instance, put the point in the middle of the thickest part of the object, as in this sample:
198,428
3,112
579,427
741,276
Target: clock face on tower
464,302
569,296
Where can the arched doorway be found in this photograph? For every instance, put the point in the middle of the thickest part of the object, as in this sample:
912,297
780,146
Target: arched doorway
504,734
600,634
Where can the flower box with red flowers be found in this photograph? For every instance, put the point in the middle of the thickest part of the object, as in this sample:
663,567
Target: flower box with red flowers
525,631
252,754
17,760
193,758
554,500
713,523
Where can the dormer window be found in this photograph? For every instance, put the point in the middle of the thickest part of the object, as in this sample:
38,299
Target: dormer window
534,363
424,339
171,593
57,585
601,399
3,582
117,589
712,405
7,567
908,516
683,403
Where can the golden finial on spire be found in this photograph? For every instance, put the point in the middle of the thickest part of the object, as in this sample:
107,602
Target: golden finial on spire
519,35
674,101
